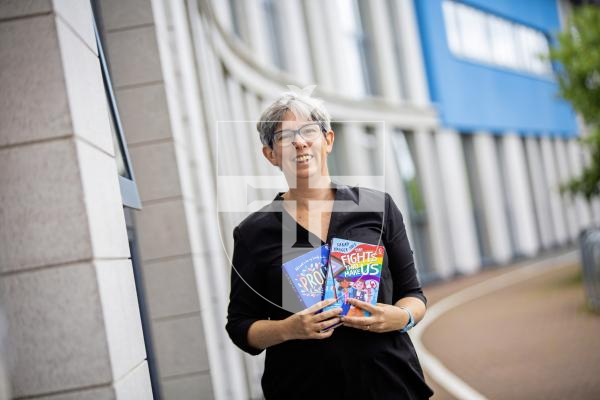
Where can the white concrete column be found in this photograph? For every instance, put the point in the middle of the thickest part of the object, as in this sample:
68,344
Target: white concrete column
254,22
337,56
491,192
413,67
459,207
556,202
382,40
317,27
223,12
250,145
540,192
295,39
426,162
67,286
353,156
234,133
394,184
563,177
188,337
395,178
575,160
565,9
253,111
595,202
519,195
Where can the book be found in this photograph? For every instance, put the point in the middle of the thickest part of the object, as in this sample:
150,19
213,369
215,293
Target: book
306,275
354,271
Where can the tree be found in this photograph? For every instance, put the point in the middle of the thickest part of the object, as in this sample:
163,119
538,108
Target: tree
578,53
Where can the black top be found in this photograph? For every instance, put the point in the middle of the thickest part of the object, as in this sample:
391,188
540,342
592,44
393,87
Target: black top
351,363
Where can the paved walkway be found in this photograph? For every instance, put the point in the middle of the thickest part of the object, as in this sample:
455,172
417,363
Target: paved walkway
516,332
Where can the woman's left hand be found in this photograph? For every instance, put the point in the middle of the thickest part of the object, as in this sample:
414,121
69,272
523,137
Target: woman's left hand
383,318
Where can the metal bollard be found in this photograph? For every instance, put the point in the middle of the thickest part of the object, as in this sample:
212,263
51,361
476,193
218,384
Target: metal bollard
590,259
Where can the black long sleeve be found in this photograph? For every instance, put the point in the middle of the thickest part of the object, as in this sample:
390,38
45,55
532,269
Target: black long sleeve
246,306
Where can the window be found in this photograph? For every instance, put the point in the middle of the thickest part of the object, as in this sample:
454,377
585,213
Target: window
504,50
408,171
472,28
274,32
404,150
129,192
487,38
533,44
333,159
369,141
452,34
235,10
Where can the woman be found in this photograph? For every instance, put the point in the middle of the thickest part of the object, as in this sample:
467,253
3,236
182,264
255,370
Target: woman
364,357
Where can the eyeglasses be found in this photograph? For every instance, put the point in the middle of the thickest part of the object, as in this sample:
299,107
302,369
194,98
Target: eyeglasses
308,132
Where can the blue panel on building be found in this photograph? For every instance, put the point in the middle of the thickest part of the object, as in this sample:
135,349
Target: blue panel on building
472,96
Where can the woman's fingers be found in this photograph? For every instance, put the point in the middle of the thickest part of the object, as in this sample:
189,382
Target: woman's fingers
317,306
363,305
327,314
327,324
324,335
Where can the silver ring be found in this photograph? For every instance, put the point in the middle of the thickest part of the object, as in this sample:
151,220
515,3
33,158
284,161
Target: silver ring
368,327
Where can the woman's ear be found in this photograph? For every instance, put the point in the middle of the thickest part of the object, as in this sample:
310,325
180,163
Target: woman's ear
270,155
330,138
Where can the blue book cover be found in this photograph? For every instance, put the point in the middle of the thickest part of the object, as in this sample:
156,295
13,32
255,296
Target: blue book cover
354,272
306,274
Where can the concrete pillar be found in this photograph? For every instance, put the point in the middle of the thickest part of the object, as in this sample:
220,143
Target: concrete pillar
223,13
540,193
235,136
575,160
383,43
395,178
426,160
296,48
414,79
557,208
594,202
353,156
255,23
394,184
253,111
317,27
491,192
176,229
66,281
339,59
458,201
519,195
563,176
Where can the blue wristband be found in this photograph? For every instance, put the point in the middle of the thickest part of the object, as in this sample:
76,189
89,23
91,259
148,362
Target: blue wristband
411,320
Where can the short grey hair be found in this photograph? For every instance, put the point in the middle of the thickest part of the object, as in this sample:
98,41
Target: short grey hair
303,107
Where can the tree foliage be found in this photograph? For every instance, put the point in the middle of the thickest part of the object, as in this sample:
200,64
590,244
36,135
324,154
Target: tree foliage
578,53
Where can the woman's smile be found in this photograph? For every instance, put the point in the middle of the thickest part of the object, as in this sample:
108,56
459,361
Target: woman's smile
303,159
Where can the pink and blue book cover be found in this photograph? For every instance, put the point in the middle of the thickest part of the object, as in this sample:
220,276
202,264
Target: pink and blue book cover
354,271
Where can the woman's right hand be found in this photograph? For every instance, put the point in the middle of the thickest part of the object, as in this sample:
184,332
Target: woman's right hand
307,324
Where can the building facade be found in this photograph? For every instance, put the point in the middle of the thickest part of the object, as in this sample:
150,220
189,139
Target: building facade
127,127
